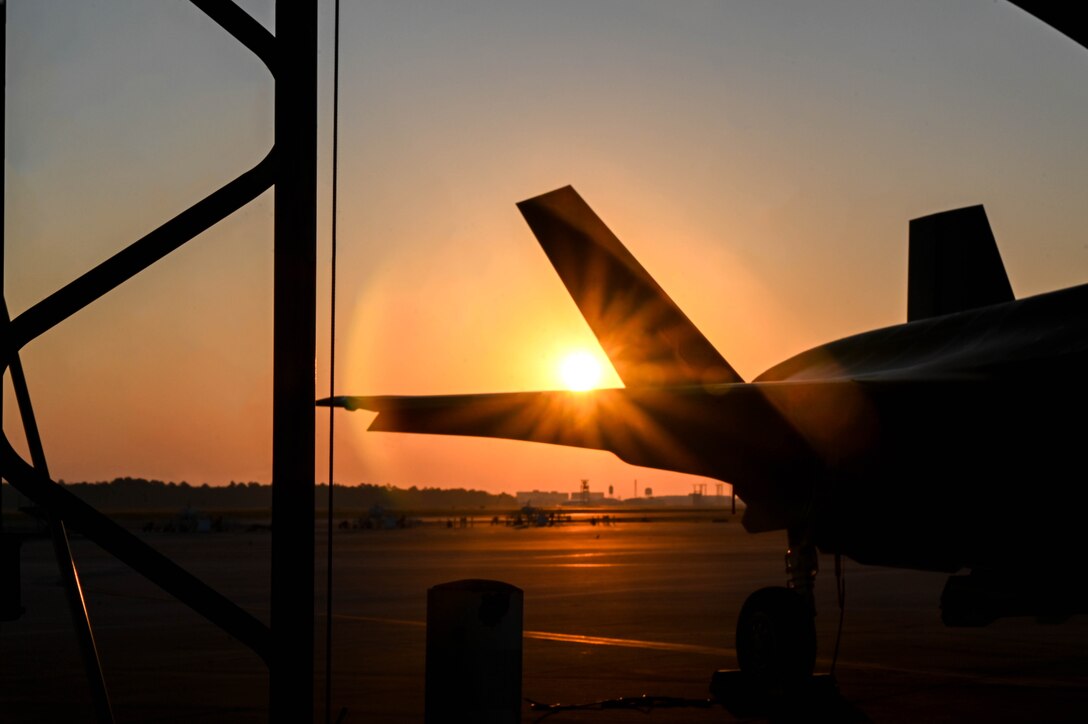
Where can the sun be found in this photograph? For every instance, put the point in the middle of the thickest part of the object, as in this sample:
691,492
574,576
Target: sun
580,371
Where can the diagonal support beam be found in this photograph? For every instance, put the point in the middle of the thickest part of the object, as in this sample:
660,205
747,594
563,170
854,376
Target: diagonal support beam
81,620
133,552
242,28
69,572
139,255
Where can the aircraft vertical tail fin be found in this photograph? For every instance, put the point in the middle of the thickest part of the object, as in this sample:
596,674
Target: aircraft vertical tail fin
954,264
649,340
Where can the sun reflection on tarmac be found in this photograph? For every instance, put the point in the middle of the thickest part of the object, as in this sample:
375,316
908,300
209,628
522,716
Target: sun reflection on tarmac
572,638
626,643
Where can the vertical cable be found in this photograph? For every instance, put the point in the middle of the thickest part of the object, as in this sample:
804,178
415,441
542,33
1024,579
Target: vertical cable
332,354
840,590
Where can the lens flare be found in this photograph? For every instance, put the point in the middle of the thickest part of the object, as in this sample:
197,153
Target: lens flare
580,371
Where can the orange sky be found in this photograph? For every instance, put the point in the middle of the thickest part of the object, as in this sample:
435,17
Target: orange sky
761,160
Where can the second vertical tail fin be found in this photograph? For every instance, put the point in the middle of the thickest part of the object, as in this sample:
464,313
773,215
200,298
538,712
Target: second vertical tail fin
954,264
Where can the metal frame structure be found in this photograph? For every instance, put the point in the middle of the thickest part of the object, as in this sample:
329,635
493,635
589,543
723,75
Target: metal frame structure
286,645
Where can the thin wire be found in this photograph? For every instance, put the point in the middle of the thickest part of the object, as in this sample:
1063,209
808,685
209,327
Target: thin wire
840,589
332,357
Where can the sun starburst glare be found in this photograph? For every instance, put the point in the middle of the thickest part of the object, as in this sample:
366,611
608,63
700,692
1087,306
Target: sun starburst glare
580,371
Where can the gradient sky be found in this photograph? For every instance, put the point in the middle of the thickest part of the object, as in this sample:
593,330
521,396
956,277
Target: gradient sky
761,159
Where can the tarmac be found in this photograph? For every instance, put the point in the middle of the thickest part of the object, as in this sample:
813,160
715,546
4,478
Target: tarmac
611,612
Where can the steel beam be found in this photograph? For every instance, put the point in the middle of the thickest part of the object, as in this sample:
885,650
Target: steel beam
291,684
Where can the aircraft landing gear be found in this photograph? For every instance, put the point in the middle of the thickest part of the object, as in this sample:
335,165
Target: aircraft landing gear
776,629
776,650
776,639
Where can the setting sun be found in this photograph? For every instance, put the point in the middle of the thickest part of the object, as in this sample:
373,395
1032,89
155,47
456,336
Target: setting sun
580,371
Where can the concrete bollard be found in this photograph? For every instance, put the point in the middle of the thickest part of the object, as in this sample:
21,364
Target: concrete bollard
473,653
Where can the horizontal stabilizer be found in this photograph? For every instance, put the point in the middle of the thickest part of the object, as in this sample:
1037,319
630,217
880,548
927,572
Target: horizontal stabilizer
648,339
599,419
677,428
954,265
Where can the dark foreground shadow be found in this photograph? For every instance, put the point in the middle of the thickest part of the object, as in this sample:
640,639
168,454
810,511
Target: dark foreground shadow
816,699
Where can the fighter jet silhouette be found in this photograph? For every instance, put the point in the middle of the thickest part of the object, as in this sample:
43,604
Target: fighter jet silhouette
907,446
953,442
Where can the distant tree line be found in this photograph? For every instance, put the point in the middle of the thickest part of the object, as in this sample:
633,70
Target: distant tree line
138,494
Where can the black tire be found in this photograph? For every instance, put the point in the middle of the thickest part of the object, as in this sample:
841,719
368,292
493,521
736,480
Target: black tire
776,639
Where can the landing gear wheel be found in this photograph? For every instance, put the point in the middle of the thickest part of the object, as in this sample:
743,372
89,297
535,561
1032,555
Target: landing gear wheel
776,639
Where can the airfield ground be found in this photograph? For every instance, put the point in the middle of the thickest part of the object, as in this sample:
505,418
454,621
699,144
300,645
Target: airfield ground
641,608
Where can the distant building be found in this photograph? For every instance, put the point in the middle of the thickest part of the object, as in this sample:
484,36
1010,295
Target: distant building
589,497
540,497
